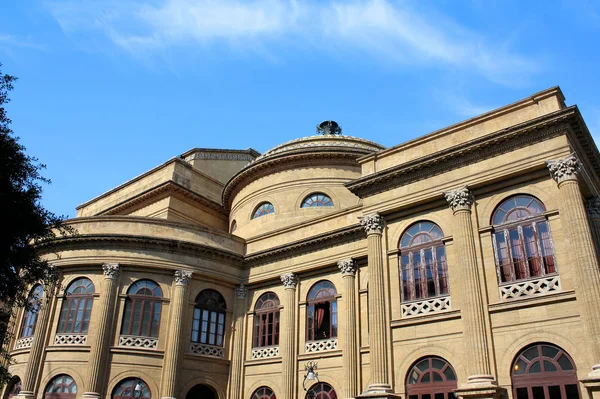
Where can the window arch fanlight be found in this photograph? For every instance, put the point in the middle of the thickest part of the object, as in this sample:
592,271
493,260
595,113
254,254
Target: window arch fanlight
76,307
522,243
423,267
544,370
34,302
61,387
431,378
266,321
142,309
208,326
264,393
125,389
321,390
321,312
262,209
316,200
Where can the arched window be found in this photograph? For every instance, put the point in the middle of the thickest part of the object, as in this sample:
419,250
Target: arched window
233,227
315,200
423,264
61,387
321,314
126,389
544,371
142,309
266,320
522,242
264,393
431,378
14,387
30,316
77,307
209,318
321,390
263,209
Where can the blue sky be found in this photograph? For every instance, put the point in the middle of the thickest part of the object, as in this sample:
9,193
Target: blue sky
111,88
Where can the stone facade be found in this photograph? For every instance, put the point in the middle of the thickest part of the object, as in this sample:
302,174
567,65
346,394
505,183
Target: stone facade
225,273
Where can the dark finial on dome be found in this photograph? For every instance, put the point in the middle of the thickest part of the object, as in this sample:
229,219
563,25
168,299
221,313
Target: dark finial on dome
329,127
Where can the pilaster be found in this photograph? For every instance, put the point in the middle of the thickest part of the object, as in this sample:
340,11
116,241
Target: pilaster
237,361
350,357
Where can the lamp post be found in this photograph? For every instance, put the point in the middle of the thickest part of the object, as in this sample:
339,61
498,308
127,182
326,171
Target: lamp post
311,375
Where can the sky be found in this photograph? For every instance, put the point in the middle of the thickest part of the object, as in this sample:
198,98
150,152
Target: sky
109,89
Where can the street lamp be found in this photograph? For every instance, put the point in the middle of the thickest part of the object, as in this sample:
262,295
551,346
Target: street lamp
137,390
311,375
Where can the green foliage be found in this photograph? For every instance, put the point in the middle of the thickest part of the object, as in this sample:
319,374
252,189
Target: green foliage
25,224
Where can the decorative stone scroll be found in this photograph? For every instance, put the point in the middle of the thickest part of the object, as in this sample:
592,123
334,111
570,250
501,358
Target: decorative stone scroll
538,286
182,277
289,280
592,206
347,267
459,199
426,306
24,343
206,350
111,270
70,339
134,341
322,345
373,223
564,169
264,353
241,291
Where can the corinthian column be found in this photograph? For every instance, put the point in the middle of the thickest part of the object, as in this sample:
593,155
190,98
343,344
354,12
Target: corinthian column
477,363
173,349
378,351
99,348
38,345
581,250
237,361
288,335
348,269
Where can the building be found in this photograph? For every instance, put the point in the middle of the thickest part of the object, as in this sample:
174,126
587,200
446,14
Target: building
459,263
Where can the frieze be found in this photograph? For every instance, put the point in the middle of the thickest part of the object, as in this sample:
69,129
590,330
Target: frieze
564,169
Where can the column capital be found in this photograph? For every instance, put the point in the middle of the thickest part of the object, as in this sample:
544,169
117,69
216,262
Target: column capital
347,267
592,206
459,199
372,223
111,270
289,280
182,277
241,291
564,169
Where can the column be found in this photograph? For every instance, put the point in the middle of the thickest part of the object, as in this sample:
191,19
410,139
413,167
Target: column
477,362
99,348
38,345
287,343
237,360
581,250
378,351
348,269
173,348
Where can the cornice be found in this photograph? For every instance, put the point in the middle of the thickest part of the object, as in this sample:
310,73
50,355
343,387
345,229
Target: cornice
472,151
312,244
116,241
322,156
161,191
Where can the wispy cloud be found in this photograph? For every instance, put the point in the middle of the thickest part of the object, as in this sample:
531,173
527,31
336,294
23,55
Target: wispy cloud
390,31
461,105
13,41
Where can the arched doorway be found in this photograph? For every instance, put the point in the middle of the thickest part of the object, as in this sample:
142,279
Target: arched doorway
201,391
544,371
431,378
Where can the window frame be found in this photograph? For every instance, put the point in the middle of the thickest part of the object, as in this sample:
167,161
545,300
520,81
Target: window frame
72,302
317,203
198,321
30,316
255,214
331,301
527,267
144,300
261,319
132,382
60,395
431,387
267,393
